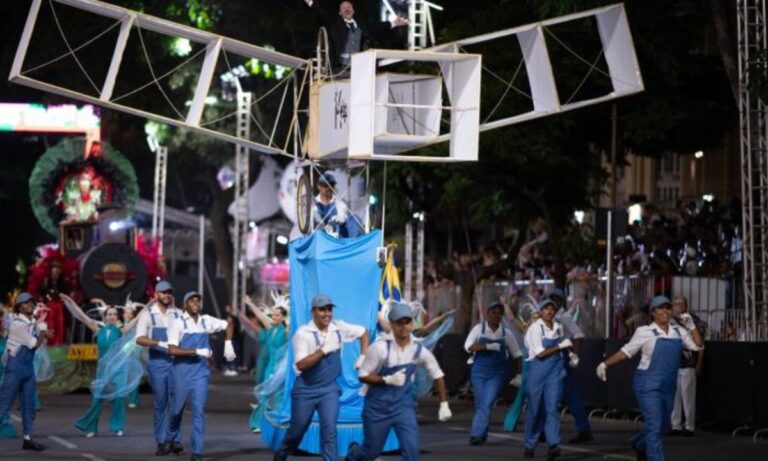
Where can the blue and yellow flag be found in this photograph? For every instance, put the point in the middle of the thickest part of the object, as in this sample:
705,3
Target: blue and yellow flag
389,287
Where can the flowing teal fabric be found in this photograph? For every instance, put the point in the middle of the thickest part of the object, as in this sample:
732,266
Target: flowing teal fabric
7,431
269,392
120,367
347,271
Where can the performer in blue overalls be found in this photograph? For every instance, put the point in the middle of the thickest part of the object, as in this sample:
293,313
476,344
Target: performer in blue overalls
317,359
571,393
152,332
544,387
491,345
655,382
331,214
24,336
388,369
188,342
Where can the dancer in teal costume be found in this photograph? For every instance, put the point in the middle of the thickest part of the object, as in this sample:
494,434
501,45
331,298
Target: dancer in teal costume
7,431
273,335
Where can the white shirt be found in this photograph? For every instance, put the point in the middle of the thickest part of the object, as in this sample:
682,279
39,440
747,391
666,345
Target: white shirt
205,324
644,340
509,338
376,358
534,340
570,327
304,340
144,324
22,332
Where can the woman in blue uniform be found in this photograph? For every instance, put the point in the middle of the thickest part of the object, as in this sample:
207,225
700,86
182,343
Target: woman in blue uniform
491,345
546,346
655,381
388,370
7,431
25,335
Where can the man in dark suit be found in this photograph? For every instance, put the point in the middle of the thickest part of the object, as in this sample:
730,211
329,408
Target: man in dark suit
346,36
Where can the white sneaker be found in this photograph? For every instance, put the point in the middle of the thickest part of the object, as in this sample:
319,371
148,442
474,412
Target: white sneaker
131,405
119,434
230,373
90,434
257,430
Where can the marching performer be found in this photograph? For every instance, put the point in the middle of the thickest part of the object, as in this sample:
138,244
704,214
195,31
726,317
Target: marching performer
189,343
388,370
490,345
152,332
24,336
317,360
544,387
331,214
661,346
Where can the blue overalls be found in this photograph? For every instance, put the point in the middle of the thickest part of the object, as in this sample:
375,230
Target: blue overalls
655,391
544,389
7,431
489,372
89,422
159,372
19,378
390,407
315,389
190,381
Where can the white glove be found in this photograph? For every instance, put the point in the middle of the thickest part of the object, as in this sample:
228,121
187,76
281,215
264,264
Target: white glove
574,360
205,353
395,379
163,345
566,343
444,413
41,326
330,345
517,381
687,322
359,362
471,359
496,347
601,372
229,351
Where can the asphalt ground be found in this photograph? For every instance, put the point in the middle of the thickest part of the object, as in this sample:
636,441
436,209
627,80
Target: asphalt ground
228,437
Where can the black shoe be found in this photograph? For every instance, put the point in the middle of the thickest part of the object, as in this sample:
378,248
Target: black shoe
32,445
542,437
675,433
163,449
528,453
279,457
553,452
640,454
687,433
196,458
176,448
353,446
476,441
582,437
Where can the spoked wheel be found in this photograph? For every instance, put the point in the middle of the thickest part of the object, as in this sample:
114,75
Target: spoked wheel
304,204
323,54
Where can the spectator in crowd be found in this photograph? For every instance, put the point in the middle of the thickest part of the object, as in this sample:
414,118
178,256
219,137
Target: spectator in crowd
691,364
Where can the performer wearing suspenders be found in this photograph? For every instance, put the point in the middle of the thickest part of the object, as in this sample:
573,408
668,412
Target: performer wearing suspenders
661,346
189,344
491,344
152,332
389,403
317,357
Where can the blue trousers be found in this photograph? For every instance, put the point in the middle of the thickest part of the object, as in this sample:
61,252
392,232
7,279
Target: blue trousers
656,407
543,397
486,388
196,391
22,383
376,430
572,397
302,409
90,420
160,381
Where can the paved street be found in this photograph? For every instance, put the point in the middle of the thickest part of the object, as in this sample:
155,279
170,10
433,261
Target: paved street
228,437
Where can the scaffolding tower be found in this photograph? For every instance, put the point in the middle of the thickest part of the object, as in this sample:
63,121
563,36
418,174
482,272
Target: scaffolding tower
158,202
753,124
242,182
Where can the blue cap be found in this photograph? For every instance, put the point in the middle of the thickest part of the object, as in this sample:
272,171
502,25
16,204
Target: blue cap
190,295
321,300
494,305
24,297
163,286
659,300
544,303
400,311
327,178
559,292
